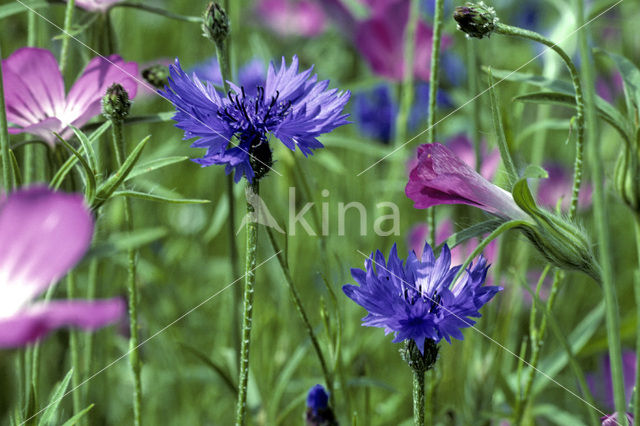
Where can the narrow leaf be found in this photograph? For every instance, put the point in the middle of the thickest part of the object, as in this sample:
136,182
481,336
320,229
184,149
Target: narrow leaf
90,180
75,419
503,145
156,164
119,242
154,197
49,415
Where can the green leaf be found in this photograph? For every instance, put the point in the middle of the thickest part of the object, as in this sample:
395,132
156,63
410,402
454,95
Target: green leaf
109,187
88,149
535,172
535,80
355,144
219,218
630,75
154,197
74,420
534,128
7,10
17,176
523,198
90,178
160,117
122,241
50,414
557,415
156,164
473,231
219,370
607,112
503,145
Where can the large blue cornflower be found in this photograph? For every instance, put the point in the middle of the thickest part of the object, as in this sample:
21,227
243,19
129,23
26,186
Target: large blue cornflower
417,300
294,107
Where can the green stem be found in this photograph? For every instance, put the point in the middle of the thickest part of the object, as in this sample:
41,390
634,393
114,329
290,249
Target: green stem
418,398
73,348
472,66
132,287
636,396
580,104
4,138
406,93
29,150
252,190
601,220
68,18
159,11
300,308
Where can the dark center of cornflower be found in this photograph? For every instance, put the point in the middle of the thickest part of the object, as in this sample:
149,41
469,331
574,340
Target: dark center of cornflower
251,118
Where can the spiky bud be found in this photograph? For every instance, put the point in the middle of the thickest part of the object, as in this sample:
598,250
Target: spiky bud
215,23
157,76
417,360
115,103
476,19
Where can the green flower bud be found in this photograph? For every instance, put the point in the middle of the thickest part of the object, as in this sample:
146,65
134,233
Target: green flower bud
416,360
562,243
627,176
215,23
156,75
476,19
116,104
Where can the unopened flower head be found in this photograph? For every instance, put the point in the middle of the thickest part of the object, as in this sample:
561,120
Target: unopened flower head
116,104
215,23
476,19
294,107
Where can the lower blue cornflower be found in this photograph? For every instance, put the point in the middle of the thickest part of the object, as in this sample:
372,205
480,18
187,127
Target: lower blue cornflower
419,300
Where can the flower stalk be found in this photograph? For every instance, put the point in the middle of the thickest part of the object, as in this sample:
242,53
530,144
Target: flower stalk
116,106
252,190
4,137
68,19
74,349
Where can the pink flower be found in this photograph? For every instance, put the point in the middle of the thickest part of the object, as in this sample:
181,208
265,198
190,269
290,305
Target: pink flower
292,17
96,5
43,235
35,95
440,177
558,186
380,37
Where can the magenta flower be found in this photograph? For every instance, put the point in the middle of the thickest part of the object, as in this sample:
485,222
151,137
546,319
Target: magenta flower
380,37
292,17
612,420
43,235
558,186
601,382
96,5
440,177
35,95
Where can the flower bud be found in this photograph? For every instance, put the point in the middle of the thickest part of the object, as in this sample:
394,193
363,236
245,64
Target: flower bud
215,23
417,360
476,19
627,177
115,103
562,243
156,75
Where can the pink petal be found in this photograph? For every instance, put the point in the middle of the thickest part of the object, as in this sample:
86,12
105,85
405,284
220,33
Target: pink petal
43,129
37,320
96,5
43,234
442,178
83,101
286,17
33,86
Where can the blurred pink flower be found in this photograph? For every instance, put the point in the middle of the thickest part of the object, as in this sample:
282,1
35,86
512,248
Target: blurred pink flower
558,186
440,177
44,234
96,5
35,96
380,37
292,17
610,88
601,383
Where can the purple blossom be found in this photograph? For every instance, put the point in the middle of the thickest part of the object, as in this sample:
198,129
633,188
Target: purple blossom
419,300
380,37
440,177
35,95
612,420
601,383
292,17
250,75
44,234
96,5
318,411
558,186
294,107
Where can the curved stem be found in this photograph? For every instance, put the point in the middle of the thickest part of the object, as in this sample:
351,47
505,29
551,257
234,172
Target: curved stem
68,18
580,104
158,11
252,190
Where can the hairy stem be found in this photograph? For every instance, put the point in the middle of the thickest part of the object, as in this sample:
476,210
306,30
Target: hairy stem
418,397
68,19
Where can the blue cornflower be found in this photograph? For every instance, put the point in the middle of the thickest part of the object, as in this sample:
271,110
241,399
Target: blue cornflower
418,300
250,76
294,107
318,411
